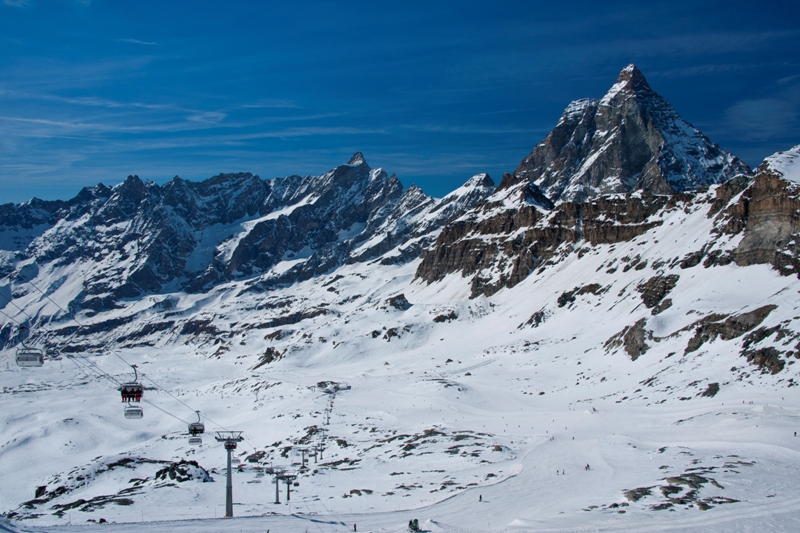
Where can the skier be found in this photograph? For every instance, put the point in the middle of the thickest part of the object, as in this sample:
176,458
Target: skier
587,466
480,497
354,528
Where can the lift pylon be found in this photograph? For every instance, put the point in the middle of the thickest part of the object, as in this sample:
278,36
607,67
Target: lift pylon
229,439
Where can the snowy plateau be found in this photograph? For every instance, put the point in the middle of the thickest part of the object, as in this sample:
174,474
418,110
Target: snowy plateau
604,341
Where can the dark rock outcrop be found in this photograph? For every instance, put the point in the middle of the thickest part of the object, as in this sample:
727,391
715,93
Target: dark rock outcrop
632,339
655,289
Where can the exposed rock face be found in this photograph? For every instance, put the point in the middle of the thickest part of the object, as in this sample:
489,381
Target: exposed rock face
632,339
768,212
726,328
632,139
655,289
504,246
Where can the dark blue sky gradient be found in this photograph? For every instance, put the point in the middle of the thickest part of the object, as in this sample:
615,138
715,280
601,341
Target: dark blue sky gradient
91,91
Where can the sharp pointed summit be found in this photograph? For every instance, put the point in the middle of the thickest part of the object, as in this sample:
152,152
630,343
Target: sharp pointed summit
633,78
632,139
357,159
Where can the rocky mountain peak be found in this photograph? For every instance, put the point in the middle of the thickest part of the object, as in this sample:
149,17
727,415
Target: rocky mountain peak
632,139
357,159
482,180
632,79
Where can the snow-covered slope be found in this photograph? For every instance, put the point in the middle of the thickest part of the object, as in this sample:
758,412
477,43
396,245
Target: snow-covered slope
676,380
787,164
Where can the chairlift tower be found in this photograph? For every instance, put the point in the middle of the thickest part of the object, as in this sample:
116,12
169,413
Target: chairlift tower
303,451
230,439
278,474
288,479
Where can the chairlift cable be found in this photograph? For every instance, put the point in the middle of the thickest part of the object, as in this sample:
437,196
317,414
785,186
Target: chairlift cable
164,411
93,366
94,369
32,284
15,305
10,318
105,345
90,364
114,352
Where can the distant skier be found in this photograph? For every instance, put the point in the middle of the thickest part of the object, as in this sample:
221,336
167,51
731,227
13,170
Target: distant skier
480,497
355,528
587,466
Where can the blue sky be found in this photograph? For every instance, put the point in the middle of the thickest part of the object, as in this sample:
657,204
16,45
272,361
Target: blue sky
94,90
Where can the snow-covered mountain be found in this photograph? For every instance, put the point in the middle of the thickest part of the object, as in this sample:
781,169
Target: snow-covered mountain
495,343
114,243
631,139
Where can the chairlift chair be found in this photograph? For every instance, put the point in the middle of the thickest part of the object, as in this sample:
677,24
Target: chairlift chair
195,441
133,390
196,428
134,411
29,357
235,460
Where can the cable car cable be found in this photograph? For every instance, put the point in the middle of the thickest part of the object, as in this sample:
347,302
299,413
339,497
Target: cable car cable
15,305
164,411
113,352
82,360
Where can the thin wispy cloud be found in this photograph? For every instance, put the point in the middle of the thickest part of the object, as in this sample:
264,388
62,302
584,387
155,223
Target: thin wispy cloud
208,117
137,41
17,3
765,118
270,104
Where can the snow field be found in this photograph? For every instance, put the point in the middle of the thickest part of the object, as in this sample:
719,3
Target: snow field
444,410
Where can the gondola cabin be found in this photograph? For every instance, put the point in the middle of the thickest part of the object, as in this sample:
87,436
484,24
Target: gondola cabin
134,411
29,357
195,441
